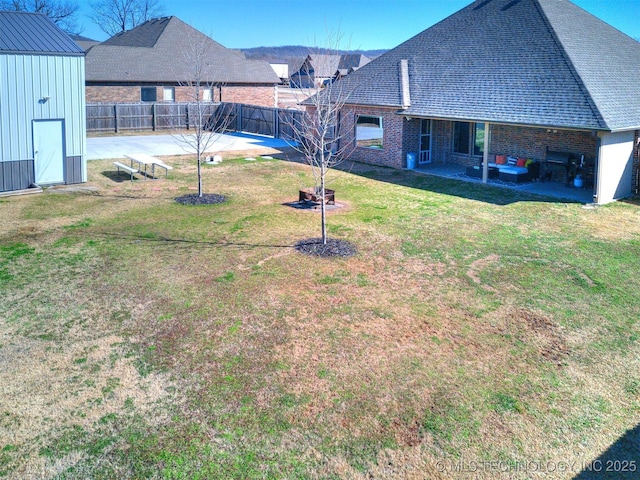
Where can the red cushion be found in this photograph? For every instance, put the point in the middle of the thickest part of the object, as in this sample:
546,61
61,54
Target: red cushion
521,162
501,159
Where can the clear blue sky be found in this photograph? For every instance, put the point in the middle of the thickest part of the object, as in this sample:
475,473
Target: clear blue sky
366,24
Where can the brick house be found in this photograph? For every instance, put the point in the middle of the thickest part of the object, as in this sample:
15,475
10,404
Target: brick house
520,78
152,63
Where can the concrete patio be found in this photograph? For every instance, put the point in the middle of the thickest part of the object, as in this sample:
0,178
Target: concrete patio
114,147
548,189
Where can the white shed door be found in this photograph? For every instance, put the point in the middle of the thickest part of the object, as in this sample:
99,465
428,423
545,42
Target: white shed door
48,151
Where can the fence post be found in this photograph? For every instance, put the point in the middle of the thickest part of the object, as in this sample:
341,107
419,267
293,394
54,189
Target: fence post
276,123
115,116
186,115
238,117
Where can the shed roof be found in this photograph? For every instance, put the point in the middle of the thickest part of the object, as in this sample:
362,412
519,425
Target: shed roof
531,62
34,33
162,50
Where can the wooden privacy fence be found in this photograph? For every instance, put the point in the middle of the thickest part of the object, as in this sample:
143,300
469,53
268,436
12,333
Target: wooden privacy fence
122,117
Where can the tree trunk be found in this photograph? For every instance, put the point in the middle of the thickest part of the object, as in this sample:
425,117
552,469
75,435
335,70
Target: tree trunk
199,156
323,206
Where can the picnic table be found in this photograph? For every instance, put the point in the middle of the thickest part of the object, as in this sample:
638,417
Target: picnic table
142,159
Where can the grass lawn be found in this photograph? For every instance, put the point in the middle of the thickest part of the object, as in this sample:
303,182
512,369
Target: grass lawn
478,332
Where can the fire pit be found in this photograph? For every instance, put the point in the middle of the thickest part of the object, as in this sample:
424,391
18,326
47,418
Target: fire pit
313,195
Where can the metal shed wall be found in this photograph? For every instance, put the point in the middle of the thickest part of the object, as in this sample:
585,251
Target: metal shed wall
25,81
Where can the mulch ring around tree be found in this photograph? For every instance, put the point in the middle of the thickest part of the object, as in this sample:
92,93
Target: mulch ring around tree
333,248
205,199
314,206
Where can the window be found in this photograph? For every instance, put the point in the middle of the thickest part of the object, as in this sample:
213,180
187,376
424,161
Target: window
369,131
468,138
169,94
148,94
461,137
478,145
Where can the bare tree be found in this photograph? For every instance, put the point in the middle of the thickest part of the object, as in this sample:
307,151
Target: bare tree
321,135
62,12
115,16
199,83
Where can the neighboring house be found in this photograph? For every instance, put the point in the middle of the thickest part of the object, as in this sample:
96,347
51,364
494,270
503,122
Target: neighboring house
317,69
84,42
153,62
42,105
521,77
282,70
343,72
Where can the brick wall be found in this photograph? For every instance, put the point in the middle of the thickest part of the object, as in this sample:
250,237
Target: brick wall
187,94
516,141
394,143
263,96
112,94
401,136
533,142
410,139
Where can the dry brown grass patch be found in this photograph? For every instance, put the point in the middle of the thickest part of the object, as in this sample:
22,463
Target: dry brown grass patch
534,328
49,386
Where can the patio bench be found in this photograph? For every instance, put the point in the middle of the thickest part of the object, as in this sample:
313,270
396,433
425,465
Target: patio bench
512,169
514,174
144,159
126,168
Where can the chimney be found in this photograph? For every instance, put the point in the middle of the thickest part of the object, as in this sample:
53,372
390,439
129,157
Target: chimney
405,94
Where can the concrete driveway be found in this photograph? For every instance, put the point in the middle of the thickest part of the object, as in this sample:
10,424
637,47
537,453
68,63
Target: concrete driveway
159,145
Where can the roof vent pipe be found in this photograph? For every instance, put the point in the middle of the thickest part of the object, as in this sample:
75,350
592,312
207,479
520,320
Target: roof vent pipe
405,94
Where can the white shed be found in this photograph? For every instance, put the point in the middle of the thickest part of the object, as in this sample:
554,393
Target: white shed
42,104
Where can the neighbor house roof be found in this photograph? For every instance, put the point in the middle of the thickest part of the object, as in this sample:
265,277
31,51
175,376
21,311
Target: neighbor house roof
326,65
84,42
164,50
532,62
34,33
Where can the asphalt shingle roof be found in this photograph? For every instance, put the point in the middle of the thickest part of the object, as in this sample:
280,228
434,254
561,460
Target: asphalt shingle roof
326,65
162,50
530,62
34,33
